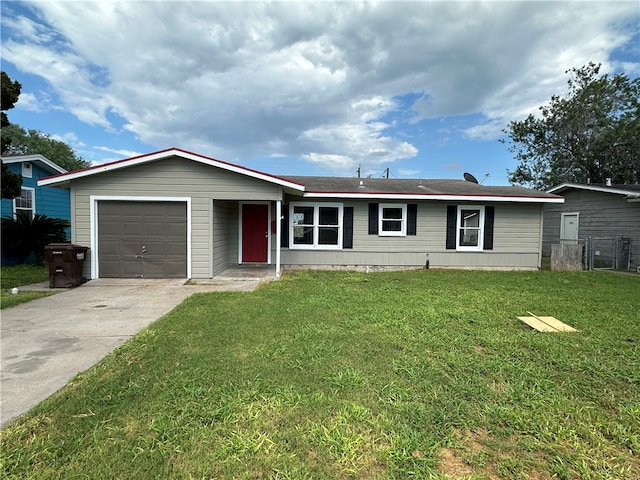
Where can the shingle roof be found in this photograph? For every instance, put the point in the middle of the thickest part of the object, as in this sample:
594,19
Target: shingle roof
619,189
336,187
412,187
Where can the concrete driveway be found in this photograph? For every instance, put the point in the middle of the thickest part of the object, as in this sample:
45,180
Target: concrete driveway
48,341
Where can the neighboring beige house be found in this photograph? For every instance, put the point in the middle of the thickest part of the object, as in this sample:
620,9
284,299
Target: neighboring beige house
179,214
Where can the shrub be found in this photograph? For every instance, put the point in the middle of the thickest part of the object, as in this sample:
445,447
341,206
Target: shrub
24,235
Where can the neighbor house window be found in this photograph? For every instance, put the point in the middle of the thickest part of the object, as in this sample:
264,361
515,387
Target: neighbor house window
315,225
25,202
470,225
392,219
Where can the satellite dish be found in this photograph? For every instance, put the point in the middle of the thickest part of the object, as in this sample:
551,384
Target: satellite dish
470,178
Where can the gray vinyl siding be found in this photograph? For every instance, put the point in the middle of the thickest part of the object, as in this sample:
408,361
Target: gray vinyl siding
179,177
234,234
173,177
225,247
517,233
222,226
601,215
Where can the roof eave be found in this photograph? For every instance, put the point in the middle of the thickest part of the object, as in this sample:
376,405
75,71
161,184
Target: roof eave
35,158
439,197
557,190
130,162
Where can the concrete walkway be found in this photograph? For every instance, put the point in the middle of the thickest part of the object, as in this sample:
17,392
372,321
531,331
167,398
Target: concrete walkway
48,341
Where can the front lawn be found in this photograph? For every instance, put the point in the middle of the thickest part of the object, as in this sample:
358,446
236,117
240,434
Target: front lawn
424,374
17,276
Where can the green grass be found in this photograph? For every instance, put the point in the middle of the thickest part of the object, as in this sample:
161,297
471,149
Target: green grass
424,374
18,275
26,274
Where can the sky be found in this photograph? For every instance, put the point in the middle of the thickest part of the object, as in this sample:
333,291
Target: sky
422,88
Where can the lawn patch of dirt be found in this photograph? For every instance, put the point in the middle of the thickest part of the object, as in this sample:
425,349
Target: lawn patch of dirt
456,463
452,465
474,457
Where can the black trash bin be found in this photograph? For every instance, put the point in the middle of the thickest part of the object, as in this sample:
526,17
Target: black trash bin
66,263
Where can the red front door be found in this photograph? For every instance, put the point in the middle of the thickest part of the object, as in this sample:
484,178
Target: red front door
255,232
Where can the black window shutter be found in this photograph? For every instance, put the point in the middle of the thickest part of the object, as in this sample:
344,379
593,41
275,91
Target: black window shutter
373,219
412,218
489,215
452,213
347,225
284,227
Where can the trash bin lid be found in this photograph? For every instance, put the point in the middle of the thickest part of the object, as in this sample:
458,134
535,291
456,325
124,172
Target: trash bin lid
65,246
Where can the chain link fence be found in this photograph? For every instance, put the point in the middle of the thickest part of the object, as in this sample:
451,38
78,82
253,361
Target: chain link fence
608,253
602,253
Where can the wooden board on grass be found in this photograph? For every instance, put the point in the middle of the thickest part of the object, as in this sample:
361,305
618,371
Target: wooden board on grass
537,324
546,324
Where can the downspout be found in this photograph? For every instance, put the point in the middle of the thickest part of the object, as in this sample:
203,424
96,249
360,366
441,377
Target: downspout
278,235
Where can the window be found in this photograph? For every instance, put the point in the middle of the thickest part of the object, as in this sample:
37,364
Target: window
315,225
25,202
470,227
392,219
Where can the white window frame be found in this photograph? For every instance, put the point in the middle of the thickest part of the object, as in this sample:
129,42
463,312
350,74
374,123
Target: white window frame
480,228
403,221
33,202
316,225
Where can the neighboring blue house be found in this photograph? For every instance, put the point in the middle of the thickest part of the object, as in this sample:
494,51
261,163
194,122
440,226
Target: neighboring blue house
49,201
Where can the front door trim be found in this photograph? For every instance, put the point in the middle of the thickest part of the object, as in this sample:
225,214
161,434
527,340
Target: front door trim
93,221
269,234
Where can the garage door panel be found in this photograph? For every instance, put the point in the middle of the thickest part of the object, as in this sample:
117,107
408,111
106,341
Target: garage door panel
142,239
155,267
172,249
131,246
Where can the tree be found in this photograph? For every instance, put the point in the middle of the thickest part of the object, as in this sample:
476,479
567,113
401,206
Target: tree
589,135
11,182
35,142
10,94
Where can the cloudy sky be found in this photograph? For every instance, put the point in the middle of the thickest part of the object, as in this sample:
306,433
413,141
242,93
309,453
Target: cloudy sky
307,88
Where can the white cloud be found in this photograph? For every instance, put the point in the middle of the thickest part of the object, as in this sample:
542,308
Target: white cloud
30,102
317,80
119,152
408,172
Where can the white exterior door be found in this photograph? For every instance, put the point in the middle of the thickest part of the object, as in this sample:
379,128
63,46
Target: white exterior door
569,228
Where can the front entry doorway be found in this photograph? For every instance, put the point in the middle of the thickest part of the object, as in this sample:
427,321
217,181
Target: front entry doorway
255,233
